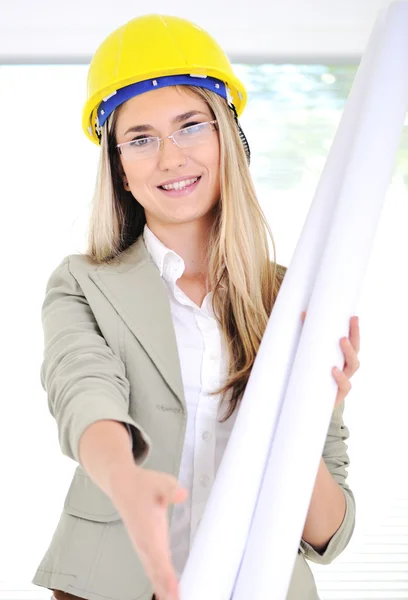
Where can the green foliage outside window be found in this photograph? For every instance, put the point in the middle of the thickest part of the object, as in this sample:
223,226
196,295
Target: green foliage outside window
293,113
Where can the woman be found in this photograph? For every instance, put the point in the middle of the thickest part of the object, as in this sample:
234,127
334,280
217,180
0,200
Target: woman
158,325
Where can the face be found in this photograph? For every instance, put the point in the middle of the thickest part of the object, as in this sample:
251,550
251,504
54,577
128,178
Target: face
162,112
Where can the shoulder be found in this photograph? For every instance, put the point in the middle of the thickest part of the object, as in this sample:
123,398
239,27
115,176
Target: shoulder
66,275
73,265
280,271
79,265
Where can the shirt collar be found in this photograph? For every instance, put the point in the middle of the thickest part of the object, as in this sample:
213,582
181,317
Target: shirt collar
171,266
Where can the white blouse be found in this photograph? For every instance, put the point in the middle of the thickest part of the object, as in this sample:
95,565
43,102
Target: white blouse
203,367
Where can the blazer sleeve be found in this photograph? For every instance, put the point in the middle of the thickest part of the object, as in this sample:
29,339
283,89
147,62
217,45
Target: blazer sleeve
84,380
337,461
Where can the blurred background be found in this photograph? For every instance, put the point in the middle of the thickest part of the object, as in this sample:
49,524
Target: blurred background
298,59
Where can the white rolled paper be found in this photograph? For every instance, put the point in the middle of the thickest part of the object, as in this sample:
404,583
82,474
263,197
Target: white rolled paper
311,282
306,411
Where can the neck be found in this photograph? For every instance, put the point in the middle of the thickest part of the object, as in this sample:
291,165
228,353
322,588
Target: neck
188,240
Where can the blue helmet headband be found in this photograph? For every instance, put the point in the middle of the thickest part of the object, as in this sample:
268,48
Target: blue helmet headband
111,102
108,104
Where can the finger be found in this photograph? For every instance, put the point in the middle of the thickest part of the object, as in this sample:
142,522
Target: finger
166,589
352,363
161,571
343,382
354,333
303,316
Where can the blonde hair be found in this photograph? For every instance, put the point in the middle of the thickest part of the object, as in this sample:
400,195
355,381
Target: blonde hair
244,280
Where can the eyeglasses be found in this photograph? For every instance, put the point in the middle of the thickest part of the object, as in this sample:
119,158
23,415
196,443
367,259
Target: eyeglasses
148,146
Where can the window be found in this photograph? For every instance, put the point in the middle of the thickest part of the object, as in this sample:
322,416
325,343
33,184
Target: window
46,188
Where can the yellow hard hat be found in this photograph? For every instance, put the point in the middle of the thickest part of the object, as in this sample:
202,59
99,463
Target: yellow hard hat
153,51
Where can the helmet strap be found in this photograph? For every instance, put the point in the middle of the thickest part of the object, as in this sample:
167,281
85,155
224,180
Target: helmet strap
241,134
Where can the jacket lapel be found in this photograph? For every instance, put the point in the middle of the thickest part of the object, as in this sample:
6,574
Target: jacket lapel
133,286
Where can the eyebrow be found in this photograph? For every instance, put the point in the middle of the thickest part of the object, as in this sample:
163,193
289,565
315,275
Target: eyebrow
178,119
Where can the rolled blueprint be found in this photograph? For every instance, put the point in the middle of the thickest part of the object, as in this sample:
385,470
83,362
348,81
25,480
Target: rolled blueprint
305,415
220,541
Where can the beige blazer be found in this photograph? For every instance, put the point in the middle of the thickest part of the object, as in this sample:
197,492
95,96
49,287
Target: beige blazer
111,353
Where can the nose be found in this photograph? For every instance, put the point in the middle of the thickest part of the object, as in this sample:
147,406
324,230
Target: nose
171,156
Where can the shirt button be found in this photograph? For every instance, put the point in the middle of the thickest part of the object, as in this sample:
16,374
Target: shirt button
204,480
206,436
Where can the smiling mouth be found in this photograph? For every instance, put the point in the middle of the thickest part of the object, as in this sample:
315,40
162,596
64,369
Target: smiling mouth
180,185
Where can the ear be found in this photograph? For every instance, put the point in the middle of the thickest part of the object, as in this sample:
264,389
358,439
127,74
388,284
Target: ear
125,183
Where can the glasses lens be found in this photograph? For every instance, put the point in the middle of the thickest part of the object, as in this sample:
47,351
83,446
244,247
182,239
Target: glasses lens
195,134
142,148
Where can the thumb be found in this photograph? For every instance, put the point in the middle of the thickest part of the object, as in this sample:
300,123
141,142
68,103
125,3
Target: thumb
172,492
179,495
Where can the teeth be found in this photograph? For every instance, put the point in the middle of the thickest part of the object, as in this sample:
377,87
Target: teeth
179,185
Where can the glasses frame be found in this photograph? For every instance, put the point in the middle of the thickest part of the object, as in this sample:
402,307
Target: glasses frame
166,137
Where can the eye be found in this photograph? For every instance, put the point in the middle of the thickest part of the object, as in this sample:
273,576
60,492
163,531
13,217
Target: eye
192,128
141,141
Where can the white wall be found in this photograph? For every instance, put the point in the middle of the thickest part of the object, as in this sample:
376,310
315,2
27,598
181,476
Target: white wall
49,31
